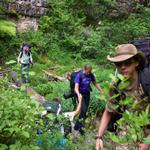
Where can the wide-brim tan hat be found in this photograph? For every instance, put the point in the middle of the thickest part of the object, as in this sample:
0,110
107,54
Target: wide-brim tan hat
125,52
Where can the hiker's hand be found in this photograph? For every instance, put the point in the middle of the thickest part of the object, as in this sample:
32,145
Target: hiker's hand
31,62
70,115
99,145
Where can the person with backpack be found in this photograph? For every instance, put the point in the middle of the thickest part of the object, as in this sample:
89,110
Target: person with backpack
82,90
131,64
71,93
25,59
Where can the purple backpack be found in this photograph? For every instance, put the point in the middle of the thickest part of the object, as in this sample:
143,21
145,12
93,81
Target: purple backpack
143,45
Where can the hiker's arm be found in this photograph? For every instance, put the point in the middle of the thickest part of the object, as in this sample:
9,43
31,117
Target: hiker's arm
19,57
102,127
76,89
31,60
79,98
104,122
98,87
78,109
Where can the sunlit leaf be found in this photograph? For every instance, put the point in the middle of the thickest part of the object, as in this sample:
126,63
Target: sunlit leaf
10,62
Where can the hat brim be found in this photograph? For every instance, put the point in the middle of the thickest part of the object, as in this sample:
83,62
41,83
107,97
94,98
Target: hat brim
121,58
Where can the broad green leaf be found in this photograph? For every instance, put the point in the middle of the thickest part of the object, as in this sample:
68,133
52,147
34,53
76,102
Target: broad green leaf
10,62
146,140
32,73
25,134
3,147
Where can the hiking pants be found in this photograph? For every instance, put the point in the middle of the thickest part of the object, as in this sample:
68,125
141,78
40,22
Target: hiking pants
24,72
84,108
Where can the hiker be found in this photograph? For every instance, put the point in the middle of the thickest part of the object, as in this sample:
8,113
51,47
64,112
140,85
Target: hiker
71,93
25,59
131,64
82,90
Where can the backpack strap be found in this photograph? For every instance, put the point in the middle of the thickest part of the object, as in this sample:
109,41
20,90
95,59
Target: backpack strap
81,75
21,54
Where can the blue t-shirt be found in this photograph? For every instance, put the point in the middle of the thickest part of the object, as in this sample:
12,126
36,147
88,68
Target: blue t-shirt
84,81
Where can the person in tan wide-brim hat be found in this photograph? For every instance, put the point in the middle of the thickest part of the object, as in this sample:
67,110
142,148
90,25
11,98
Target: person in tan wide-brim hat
130,64
126,52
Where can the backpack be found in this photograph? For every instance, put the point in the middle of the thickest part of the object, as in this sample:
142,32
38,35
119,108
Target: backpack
73,76
144,79
52,122
71,93
143,45
53,107
21,50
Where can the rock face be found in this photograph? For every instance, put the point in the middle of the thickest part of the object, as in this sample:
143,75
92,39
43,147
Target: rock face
30,11
32,8
26,23
124,7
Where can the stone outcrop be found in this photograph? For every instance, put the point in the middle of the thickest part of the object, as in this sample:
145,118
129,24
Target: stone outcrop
125,7
27,23
31,8
28,11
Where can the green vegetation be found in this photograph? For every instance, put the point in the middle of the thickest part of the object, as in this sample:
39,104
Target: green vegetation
72,34
7,28
18,119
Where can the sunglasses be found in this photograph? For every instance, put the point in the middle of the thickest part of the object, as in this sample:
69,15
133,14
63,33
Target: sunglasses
125,63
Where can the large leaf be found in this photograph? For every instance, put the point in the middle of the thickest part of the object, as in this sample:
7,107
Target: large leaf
25,134
146,140
10,62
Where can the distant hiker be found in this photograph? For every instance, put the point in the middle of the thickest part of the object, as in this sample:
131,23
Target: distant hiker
131,64
82,90
71,93
25,59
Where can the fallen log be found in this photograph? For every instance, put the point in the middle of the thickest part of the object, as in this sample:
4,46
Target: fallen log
53,76
35,96
54,67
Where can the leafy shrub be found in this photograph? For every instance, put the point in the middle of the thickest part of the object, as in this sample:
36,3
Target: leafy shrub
7,29
131,126
44,89
18,120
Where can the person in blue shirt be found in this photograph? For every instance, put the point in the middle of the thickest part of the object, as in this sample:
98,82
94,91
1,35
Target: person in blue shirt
82,89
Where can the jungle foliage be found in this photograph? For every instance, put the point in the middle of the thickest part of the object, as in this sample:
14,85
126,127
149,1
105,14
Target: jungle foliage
72,34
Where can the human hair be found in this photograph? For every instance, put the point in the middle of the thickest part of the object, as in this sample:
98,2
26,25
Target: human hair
68,74
87,66
142,62
57,99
